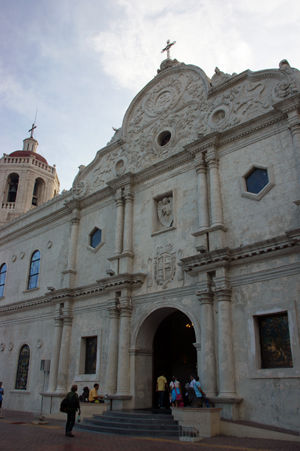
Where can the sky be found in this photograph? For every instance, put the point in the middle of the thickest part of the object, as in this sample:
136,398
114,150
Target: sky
79,63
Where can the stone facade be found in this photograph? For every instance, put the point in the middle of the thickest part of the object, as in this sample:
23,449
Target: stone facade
192,207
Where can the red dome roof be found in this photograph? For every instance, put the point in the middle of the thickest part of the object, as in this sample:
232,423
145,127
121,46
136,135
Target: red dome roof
28,153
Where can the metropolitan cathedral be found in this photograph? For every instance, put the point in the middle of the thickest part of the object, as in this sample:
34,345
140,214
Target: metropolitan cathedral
176,250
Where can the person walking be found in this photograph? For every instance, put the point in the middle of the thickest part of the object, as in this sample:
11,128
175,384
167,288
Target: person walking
1,398
72,406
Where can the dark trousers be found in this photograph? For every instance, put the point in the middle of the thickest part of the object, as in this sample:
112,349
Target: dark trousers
70,421
161,398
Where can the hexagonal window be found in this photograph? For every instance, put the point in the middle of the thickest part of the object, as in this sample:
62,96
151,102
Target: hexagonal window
95,237
256,180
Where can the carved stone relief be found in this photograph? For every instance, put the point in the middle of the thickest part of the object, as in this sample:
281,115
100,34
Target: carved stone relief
165,211
164,265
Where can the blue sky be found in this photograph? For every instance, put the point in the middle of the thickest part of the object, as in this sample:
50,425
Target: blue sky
81,62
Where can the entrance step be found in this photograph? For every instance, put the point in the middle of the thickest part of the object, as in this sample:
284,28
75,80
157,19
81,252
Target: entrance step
133,423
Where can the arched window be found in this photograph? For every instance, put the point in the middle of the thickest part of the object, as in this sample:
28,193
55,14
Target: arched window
13,182
34,270
3,269
22,370
38,192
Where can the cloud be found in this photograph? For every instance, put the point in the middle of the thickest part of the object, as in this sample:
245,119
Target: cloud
208,33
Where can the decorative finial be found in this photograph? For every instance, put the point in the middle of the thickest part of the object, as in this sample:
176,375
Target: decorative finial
167,48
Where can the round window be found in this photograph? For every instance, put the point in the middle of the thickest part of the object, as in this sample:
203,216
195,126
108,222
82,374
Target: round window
164,138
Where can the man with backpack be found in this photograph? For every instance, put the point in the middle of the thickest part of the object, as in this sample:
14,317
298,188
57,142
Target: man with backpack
72,405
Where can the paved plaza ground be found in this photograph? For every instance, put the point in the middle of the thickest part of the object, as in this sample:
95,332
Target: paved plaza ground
17,432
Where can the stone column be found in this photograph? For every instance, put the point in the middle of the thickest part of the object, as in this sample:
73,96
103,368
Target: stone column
58,326
112,363
72,249
216,214
119,221
225,345
73,239
128,221
65,349
208,358
123,355
202,192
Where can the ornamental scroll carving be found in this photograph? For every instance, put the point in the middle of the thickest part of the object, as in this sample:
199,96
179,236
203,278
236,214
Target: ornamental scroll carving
176,103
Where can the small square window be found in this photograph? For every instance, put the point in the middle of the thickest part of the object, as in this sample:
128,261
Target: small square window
274,336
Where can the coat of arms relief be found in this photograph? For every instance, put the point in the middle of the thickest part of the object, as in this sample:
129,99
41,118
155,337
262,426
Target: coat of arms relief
164,265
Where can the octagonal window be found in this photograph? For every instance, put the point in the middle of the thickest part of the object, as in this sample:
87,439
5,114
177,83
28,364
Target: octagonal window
256,180
95,237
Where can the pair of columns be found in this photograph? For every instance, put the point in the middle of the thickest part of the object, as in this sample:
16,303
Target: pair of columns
209,201
118,365
224,354
124,220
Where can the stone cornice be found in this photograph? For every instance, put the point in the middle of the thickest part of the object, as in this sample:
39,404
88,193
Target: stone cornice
122,181
227,256
125,280
103,285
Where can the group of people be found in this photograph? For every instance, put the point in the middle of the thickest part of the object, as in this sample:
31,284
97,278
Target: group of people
91,395
190,395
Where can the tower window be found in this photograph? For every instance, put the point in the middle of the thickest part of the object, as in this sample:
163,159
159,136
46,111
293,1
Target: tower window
13,182
37,192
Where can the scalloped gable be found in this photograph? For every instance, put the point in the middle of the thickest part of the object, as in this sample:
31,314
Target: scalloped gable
177,107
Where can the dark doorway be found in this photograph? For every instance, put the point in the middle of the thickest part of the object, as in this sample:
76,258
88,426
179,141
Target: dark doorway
173,351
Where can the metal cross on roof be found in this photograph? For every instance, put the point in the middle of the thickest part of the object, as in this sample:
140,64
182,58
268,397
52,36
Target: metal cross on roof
167,48
32,130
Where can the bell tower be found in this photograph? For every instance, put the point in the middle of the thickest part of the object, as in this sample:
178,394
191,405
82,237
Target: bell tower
26,180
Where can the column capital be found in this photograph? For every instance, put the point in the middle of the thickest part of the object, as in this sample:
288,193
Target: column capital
211,157
128,196
223,294
58,321
205,296
114,312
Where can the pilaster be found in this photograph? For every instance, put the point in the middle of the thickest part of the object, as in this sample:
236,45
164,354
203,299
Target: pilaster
225,345
123,382
58,327
112,364
64,356
207,370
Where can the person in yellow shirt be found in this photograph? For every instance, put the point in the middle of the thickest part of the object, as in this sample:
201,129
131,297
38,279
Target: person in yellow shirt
161,385
94,396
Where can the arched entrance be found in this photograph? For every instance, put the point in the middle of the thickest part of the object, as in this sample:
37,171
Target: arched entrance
165,343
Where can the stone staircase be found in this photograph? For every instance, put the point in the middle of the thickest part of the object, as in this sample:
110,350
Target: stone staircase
133,423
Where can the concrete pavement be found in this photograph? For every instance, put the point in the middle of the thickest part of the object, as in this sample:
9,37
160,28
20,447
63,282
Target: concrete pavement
17,432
